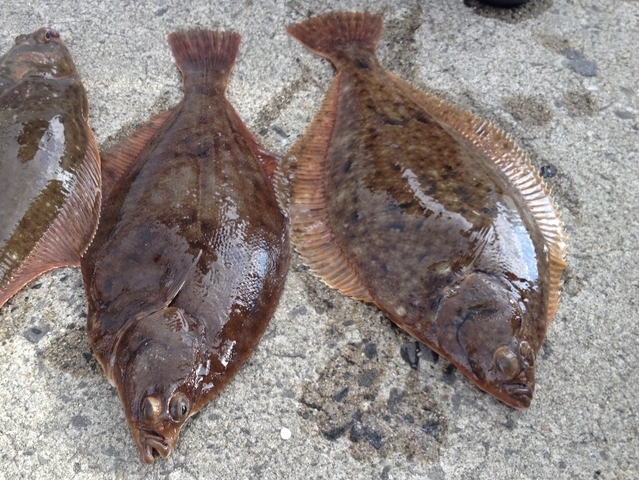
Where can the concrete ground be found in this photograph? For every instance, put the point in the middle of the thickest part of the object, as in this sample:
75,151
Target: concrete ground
560,76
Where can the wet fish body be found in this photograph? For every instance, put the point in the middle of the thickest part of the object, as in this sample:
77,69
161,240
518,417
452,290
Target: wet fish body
429,212
49,162
190,258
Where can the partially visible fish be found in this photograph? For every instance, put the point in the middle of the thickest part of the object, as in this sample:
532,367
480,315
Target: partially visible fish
189,261
429,212
49,162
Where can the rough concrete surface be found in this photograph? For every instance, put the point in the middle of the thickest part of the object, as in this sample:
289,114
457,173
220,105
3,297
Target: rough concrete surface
560,76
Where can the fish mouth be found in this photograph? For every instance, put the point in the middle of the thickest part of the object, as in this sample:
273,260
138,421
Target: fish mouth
516,395
151,443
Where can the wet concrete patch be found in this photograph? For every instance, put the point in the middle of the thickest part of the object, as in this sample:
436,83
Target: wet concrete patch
624,114
554,43
39,295
580,104
528,111
37,332
355,398
399,40
578,62
70,352
282,99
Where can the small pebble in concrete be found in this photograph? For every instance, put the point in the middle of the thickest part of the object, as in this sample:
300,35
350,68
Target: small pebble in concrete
285,433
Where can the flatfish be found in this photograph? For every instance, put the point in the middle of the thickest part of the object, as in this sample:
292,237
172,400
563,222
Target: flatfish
49,162
434,215
190,258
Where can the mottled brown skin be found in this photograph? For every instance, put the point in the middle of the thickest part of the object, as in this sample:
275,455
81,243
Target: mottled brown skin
470,290
438,236
49,165
190,258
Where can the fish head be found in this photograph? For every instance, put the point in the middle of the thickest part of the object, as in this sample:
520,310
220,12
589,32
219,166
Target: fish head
39,54
159,369
483,332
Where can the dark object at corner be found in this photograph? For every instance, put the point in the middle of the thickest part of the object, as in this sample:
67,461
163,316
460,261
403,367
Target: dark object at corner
504,3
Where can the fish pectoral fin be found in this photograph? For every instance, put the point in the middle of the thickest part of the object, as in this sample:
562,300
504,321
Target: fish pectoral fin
312,233
175,279
12,96
117,160
68,237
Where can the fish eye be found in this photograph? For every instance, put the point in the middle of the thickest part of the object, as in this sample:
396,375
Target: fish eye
179,407
506,362
49,33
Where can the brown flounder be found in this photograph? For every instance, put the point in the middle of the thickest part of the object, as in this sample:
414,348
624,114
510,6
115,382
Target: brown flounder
429,212
190,258
49,162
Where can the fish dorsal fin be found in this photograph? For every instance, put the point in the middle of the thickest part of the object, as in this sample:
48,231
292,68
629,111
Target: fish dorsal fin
272,164
514,163
66,240
268,160
327,34
311,233
117,160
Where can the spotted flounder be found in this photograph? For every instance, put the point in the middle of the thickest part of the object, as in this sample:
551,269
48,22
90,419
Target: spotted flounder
190,258
432,214
49,162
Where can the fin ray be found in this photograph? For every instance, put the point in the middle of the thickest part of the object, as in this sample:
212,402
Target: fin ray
117,160
205,50
66,240
311,232
327,34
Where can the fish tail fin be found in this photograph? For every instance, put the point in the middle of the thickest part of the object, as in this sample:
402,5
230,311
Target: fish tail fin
205,51
327,34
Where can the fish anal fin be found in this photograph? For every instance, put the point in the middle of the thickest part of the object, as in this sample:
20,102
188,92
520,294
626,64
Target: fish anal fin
311,231
66,240
117,160
515,164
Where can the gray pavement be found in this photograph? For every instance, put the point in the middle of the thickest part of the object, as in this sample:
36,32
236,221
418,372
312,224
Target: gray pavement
560,76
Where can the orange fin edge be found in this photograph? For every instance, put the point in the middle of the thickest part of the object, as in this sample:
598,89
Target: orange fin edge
117,160
276,170
515,164
311,232
269,161
70,234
